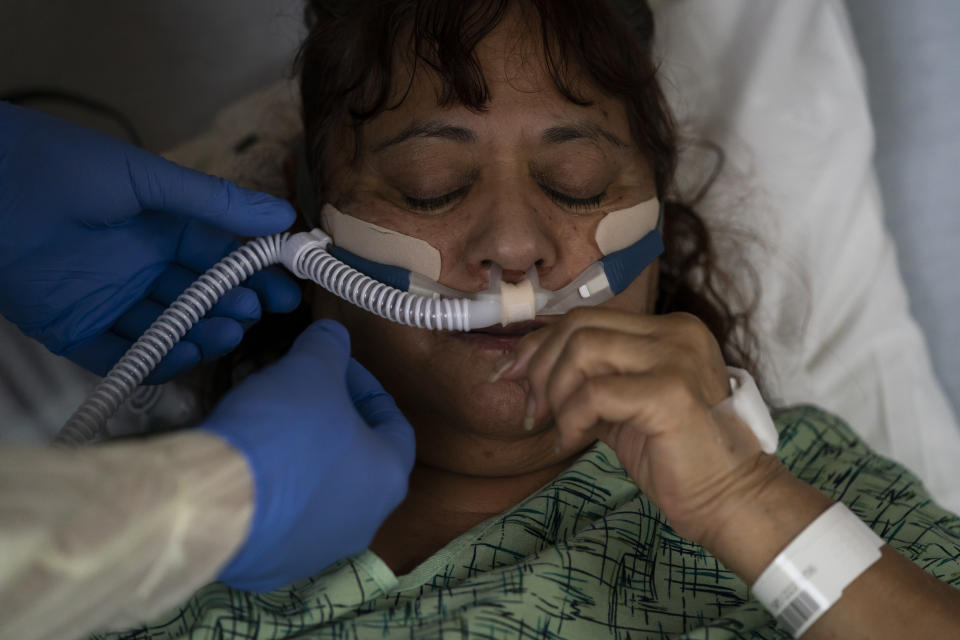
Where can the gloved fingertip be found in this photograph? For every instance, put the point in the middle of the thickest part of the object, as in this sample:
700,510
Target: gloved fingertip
256,213
240,304
278,291
99,354
162,185
203,244
380,411
183,357
324,339
402,438
285,298
360,382
215,337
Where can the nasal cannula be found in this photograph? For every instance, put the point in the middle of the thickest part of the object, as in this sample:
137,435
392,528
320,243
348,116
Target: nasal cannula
389,291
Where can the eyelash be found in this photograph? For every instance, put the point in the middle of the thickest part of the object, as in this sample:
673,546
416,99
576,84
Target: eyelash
432,204
574,203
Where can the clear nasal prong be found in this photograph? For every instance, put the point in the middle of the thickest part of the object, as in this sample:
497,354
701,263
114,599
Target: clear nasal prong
495,279
533,276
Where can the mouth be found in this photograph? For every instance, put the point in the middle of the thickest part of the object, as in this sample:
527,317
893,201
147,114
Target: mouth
513,329
498,338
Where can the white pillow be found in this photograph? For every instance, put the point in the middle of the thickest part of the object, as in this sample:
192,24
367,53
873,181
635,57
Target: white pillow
779,85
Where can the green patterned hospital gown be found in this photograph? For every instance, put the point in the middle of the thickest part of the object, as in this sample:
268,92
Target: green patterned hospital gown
587,556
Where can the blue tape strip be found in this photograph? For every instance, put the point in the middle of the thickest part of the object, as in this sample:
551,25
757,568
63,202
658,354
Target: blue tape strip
622,267
396,277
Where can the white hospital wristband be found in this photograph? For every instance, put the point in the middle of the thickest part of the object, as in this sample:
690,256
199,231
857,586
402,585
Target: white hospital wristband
809,576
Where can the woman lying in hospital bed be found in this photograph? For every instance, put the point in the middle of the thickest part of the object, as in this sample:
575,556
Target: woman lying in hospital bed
502,137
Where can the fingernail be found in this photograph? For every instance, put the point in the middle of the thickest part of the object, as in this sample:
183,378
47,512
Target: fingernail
500,368
528,420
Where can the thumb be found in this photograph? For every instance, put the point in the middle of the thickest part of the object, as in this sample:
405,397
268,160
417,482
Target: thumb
162,185
325,340
379,410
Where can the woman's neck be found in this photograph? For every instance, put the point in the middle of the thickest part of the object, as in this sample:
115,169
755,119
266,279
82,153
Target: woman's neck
441,505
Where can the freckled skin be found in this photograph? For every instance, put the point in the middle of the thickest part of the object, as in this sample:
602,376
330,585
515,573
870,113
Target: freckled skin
465,424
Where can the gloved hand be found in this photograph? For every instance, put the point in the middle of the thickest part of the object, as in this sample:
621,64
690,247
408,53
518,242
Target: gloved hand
330,454
99,236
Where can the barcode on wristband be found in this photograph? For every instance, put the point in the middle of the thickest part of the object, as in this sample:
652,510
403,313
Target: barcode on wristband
796,614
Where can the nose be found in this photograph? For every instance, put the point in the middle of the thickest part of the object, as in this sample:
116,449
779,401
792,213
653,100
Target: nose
513,235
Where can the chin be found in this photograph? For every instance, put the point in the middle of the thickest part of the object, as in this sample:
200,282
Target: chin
440,382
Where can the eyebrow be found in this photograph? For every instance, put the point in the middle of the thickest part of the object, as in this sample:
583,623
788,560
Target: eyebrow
429,129
580,131
552,135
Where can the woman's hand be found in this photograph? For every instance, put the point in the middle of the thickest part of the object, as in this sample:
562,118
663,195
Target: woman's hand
645,385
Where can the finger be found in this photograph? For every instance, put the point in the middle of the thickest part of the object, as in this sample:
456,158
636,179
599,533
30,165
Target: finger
593,332
161,185
137,319
324,340
277,290
174,280
609,400
542,363
642,404
240,303
212,337
103,352
592,351
99,354
183,357
215,337
550,339
202,246
380,411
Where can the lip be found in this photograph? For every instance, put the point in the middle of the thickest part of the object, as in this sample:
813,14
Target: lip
489,342
500,339
513,329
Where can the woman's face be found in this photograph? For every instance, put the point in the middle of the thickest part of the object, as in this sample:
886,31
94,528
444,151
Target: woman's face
522,184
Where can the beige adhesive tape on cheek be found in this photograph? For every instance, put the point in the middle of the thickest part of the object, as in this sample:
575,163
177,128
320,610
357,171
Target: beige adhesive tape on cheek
620,229
517,302
380,244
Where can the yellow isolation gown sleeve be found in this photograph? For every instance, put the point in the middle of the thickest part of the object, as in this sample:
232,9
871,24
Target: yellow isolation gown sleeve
110,535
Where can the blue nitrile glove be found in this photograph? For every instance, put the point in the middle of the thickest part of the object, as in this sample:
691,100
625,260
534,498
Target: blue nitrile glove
97,237
330,454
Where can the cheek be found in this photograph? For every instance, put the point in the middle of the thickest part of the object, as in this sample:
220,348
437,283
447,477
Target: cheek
371,338
394,353
577,242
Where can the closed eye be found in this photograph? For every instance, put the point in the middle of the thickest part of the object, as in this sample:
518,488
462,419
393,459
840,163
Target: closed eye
574,203
432,204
